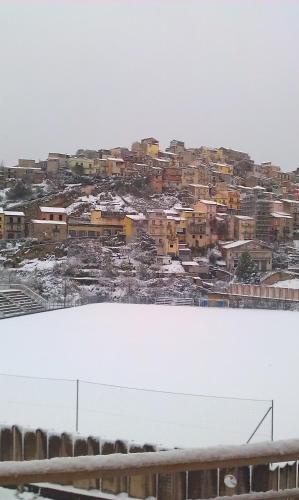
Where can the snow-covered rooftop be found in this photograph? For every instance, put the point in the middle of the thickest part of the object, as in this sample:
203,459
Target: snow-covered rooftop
287,200
281,215
292,283
235,244
136,216
13,213
54,222
224,352
243,217
57,210
117,160
208,202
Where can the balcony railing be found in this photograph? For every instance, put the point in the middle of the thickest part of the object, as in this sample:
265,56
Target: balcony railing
228,465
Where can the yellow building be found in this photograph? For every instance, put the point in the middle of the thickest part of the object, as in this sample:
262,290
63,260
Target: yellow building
85,165
162,229
134,225
150,146
208,207
97,227
111,223
83,229
197,231
224,168
212,154
229,198
116,167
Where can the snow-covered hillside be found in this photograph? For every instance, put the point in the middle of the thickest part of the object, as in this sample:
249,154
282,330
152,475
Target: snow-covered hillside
238,353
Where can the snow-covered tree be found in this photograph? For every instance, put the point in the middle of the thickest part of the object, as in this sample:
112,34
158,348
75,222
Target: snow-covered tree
246,271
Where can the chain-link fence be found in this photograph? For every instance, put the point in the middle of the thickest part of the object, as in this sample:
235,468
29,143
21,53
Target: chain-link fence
137,414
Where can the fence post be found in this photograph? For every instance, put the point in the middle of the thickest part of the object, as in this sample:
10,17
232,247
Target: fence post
77,405
272,420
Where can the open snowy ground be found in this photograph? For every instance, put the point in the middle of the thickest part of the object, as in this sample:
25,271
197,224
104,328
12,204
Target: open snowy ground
236,353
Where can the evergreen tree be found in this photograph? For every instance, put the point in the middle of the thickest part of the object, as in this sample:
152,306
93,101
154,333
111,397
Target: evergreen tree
78,170
246,271
19,191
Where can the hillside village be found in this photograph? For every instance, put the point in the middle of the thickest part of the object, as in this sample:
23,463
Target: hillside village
141,224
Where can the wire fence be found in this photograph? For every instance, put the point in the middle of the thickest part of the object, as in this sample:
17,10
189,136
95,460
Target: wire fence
137,414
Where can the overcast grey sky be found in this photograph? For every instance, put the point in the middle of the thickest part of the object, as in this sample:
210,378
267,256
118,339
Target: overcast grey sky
103,73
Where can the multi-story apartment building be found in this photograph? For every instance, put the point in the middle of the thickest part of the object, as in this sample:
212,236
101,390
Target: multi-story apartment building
150,146
263,219
14,225
134,226
48,230
209,208
156,179
172,177
199,191
197,231
244,227
292,208
190,175
176,146
30,174
86,166
110,223
282,227
228,197
162,229
52,214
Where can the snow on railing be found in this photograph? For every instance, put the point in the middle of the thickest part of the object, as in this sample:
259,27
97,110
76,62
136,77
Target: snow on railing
104,466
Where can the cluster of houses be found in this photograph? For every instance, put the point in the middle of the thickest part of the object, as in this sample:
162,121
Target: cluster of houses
231,201
178,233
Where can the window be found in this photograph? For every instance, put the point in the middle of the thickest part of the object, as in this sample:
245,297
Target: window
11,220
19,220
51,217
60,217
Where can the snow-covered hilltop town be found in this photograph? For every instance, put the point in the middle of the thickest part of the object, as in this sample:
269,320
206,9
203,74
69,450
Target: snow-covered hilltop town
189,225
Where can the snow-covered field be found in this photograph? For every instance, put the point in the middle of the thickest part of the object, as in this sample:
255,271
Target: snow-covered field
236,353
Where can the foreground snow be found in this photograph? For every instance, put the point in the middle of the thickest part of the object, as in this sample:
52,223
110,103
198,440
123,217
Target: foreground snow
6,494
239,353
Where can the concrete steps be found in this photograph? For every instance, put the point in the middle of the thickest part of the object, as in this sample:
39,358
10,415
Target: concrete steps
18,302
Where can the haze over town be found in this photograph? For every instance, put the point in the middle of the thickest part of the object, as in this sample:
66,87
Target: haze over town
90,73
